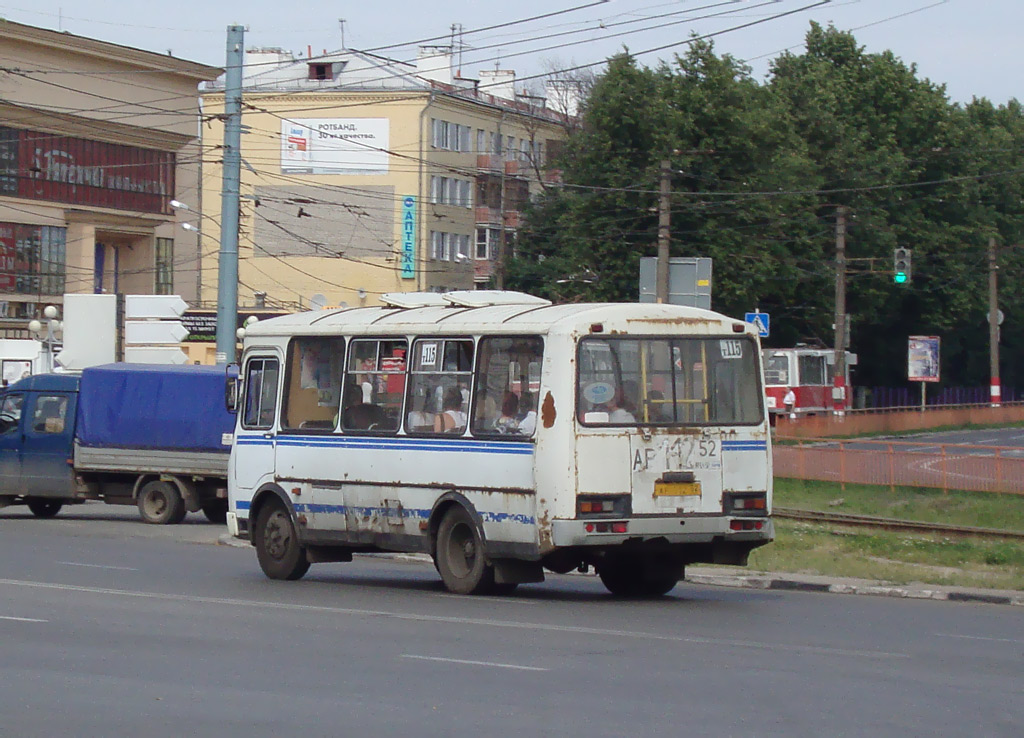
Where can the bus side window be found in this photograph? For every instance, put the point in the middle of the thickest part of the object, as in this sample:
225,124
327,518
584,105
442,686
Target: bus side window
439,386
507,386
260,404
374,385
313,383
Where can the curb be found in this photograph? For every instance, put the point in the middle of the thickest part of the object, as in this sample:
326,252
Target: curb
877,590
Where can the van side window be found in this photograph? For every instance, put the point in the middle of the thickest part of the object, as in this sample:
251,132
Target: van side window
313,383
439,386
10,413
374,385
51,412
507,385
260,402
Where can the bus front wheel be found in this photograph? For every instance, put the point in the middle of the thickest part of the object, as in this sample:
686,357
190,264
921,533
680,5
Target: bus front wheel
277,544
460,557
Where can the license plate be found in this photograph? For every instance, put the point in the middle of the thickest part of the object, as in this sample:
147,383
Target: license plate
677,489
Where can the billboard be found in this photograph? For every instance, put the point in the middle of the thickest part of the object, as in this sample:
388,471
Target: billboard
335,146
923,358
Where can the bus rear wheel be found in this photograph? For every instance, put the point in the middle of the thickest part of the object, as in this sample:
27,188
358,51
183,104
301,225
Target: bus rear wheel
277,544
44,508
460,557
639,576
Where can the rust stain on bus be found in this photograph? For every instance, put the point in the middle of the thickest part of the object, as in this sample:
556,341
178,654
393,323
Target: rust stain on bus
547,411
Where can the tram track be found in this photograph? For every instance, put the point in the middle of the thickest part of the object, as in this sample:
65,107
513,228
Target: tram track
893,524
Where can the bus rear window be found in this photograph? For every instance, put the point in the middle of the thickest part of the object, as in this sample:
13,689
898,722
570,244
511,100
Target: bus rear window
669,381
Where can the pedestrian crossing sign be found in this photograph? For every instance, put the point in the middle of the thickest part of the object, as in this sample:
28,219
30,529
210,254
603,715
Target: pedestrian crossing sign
761,321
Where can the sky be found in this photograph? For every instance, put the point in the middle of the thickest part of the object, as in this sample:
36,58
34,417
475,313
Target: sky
970,46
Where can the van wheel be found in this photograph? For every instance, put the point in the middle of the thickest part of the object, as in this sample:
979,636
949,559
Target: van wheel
277,543
44,508
216,511
460,556
160,504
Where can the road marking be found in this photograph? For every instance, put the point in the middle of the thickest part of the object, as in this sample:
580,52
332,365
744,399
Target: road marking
23,620
473,663
979,638
97,566
503,600
450,620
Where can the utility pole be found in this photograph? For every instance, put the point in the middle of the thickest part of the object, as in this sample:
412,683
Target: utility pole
227,265
993,324
664,235
839,377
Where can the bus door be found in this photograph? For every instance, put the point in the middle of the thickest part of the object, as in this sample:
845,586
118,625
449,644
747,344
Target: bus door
252,456
48,430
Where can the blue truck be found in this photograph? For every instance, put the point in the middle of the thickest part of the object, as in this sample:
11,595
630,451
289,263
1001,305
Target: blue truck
154,436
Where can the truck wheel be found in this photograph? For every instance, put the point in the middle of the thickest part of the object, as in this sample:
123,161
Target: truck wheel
277,544
44,508
160,503
460,555
216,511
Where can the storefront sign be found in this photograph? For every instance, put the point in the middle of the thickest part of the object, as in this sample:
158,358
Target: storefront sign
409,238
42,166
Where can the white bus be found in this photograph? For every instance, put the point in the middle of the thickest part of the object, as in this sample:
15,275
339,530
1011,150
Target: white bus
503,435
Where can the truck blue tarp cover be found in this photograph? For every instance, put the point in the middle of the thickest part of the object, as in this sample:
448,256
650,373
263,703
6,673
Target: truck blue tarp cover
154,406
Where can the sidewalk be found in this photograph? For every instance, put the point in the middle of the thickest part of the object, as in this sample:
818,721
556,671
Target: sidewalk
746,579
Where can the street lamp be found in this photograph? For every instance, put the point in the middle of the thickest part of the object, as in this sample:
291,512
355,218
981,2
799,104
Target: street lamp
53,328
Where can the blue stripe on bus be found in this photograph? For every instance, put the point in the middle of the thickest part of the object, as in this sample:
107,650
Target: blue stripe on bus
400,443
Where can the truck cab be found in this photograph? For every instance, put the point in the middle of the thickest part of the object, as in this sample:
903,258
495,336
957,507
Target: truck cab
37,428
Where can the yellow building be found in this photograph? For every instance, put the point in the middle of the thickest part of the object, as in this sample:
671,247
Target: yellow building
96,140
363,175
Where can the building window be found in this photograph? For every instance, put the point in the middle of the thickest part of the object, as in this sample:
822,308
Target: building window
481,141
164,266
32,259
451,191
449,136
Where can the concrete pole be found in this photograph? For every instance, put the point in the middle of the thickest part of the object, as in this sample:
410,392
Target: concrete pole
664,234
839,377
993,325
227,267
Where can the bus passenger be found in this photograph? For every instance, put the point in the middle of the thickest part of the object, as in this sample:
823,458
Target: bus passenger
620,409
529,422
452,419
507,421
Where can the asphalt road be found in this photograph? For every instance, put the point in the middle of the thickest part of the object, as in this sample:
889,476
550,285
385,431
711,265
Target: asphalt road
110,627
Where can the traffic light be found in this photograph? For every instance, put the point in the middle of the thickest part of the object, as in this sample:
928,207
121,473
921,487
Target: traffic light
901,266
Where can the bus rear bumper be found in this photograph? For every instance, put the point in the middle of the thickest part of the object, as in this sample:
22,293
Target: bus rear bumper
675,529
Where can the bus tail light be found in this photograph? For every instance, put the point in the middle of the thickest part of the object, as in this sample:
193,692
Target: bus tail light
605,506
746,524
746,503
617,527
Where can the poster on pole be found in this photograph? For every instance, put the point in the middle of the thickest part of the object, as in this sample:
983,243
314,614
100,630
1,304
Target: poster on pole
923,358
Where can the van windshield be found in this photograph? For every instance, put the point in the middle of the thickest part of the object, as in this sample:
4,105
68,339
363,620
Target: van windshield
669,381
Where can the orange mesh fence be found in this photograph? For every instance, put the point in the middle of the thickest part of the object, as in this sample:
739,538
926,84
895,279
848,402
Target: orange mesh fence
903,464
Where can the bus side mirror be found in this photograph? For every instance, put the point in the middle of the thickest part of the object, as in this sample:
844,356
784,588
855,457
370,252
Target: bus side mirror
232,388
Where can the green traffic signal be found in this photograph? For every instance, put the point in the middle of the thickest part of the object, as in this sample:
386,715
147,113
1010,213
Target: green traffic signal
899,277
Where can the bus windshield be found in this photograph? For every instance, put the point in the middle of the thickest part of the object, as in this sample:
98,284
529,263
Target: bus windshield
669,381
